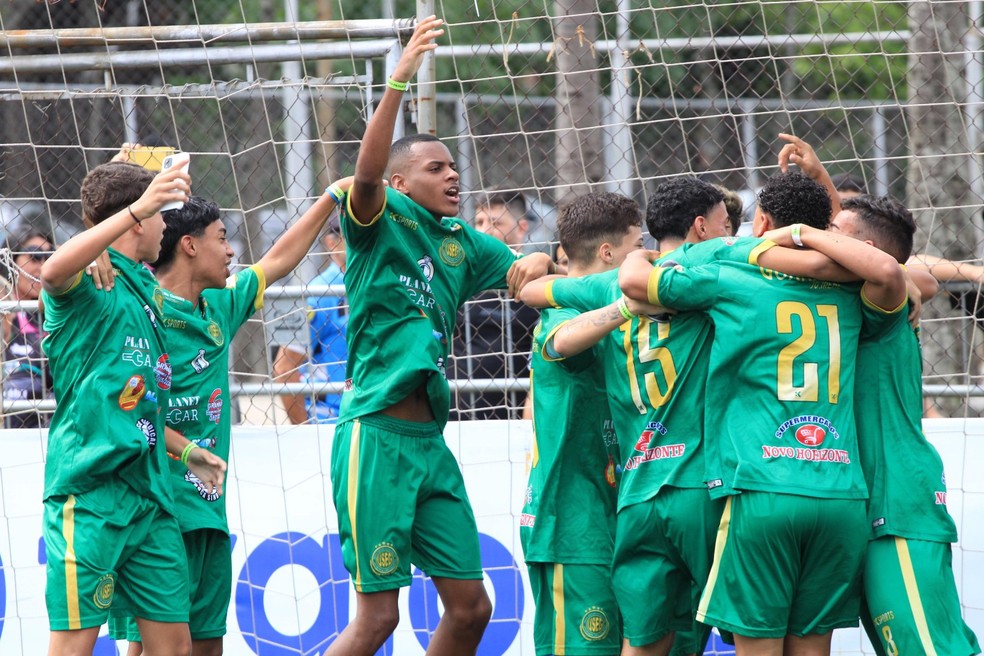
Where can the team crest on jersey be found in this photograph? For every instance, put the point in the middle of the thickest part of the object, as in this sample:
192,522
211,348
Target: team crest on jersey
103,597
451,251
384,559
147,427
159,299
162,372
214,408
426,265
200,364
203,491
595,624
215,332
133,391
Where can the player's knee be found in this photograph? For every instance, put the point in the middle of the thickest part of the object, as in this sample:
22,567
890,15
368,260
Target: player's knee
471,615
380,624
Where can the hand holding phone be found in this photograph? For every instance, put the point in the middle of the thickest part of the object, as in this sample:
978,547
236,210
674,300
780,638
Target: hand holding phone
182,160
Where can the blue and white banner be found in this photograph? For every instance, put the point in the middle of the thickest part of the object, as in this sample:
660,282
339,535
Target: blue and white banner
291,593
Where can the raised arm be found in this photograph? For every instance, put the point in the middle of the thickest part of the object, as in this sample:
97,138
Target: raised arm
534,293
288,251
368,193
61,269
946,270
885,283
802,155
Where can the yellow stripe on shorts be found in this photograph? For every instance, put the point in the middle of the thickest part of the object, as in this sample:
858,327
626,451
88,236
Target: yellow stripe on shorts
560,619
912,591
719,544
71,564
353,497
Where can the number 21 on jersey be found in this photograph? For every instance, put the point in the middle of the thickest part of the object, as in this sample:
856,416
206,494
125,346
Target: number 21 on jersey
791,366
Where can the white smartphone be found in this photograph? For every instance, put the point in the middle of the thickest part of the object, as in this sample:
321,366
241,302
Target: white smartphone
176,159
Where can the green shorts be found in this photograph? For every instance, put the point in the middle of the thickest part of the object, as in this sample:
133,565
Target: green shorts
786,565
664,548
910,599
209,555
576,613
401,500
109,548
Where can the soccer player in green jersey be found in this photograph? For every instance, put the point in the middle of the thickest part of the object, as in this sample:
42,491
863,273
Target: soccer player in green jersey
397,488
910,599
567,526
203,309
784,451
655,373
110,533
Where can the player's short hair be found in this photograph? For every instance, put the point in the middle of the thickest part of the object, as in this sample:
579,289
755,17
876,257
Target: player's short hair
885,221
849,183
110,187
192,219
792,197
514,201
401,148
590,220
735,207
675,204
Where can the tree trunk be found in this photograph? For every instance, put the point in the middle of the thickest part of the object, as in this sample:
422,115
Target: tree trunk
940,173
578,151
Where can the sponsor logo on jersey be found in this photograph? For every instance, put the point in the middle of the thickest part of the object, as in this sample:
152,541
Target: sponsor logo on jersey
404,221
652,452
717,482
610,472
608,435
810,435
348,386
133,391
182,409
811,431
105,587
729,241
941,498
203,491
200,364
426,265
384,560
215,332
214,409
177,324
451,251
146,427
162,371
527,519
887,616
595,624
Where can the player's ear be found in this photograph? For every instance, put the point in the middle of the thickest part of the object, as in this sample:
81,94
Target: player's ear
188,246
398,182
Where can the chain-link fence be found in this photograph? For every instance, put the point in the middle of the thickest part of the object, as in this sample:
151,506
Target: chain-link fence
541,99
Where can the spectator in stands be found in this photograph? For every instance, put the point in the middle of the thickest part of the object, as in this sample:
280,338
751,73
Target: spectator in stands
494,334
327,318
25,369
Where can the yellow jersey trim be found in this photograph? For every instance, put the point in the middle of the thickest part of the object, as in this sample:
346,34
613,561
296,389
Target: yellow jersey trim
260,288
560,619
348,207
71,564
353,498
652,286
548,292
866,301
548,340
719,544
758,250
912,592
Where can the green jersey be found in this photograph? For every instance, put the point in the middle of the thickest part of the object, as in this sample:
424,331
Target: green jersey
787,349
199,337
569,515
408,272
111,376
903,470
655,374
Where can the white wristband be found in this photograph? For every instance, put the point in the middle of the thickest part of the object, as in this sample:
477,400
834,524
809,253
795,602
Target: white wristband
795,234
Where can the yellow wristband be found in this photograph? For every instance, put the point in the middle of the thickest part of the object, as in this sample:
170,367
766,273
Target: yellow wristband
396,84
624,310
187,452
